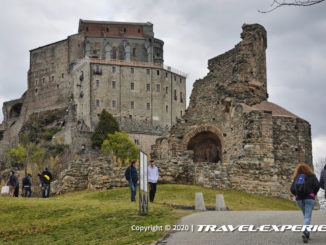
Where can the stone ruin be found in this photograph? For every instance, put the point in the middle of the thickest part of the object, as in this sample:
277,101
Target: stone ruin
231,137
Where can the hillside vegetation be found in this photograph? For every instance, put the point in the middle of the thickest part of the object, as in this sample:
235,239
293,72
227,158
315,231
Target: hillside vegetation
106,217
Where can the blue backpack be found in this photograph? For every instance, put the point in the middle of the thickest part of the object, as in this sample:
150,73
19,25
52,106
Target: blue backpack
300,186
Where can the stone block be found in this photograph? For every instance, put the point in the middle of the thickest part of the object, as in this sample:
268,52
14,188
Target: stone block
220,204
199,201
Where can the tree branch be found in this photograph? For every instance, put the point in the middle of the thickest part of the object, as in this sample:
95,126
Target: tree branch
304,3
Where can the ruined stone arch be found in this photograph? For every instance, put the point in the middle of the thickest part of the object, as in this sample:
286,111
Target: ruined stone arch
15,110
206,141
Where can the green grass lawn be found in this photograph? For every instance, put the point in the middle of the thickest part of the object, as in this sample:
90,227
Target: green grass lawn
106,217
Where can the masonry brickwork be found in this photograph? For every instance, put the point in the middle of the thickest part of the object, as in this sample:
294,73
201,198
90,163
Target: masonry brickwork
230,135
117,66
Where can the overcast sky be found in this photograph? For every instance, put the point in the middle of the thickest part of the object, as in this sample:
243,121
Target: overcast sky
193,32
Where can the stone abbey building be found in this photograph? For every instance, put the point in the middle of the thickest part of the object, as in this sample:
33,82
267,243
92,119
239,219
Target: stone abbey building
117,66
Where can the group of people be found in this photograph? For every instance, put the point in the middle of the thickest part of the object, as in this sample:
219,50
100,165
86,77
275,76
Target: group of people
305,187
132,178
45,182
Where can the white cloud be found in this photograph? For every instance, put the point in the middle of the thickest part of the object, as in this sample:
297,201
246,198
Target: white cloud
319,147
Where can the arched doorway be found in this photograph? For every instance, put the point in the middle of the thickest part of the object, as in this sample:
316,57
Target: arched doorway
206,147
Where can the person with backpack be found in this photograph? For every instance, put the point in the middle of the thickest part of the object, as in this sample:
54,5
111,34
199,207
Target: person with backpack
323,179
132,178
45,178
305,187
27,183
12,183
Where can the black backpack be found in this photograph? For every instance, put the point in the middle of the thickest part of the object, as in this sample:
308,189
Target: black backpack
300,186
26,181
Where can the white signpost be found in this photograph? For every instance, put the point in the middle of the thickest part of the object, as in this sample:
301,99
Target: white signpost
143,187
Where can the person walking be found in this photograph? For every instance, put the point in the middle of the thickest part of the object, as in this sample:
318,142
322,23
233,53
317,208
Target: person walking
153,175
46,178
305,186
12,183
323,179
27,184
132,178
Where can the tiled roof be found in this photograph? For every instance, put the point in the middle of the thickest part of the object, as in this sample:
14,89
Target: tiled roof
269,106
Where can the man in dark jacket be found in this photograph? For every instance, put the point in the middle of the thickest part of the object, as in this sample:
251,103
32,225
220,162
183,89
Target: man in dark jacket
12,183
323,179
27,183
132,177
46,178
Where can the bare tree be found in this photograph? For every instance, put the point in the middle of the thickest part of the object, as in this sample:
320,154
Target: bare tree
303,3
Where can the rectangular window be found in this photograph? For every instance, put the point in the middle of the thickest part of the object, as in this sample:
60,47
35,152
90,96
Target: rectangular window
167,108
147,71
132,86
114,103
175,95
97,103
113,69
132,70
136,141
43,80
181,113
166,74
148,106
134,51
52,78
132,104
148,87
62,75
181,99
158,87
130,116
97,83
158,72
113,84
166,90
175,77
180,80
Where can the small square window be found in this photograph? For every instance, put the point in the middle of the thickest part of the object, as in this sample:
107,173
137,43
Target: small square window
113,84
158,87
114,103
148,106
148,87
132,70
132,86
113,69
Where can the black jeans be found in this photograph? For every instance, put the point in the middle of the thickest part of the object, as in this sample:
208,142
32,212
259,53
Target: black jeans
27,191
152,191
